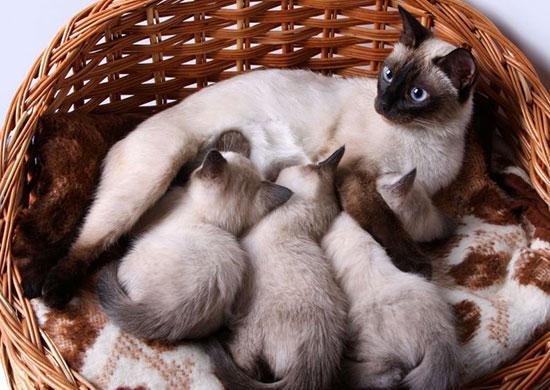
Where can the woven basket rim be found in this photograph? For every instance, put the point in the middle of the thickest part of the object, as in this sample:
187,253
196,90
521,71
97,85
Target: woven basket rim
28,354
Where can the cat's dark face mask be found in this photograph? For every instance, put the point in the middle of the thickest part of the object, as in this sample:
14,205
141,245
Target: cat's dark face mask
418,90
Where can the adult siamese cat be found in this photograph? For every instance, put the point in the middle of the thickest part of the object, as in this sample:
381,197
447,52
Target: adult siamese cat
293,323
401,329
181,275
414,115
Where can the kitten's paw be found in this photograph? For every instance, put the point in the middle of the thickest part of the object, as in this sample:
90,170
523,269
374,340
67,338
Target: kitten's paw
32,283
422,267
33,274
60,285
416,264
387,380
377,374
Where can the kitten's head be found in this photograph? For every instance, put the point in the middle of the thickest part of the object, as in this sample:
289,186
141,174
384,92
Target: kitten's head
420,217
425,81
312,180
227,190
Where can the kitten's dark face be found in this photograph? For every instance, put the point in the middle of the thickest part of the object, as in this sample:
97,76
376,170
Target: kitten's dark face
423,82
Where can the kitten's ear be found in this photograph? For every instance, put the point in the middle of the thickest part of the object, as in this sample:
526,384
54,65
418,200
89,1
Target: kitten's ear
234,141
402,186
273,195
331,163
213,164
461,68
413,33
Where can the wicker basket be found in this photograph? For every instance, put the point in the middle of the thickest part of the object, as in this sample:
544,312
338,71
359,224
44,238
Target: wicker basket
140,55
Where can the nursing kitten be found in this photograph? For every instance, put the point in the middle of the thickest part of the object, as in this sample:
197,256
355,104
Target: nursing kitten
401,327
182,273
293,324
420,218
415,115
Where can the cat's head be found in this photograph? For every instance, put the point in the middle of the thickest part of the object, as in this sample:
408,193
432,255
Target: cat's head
424,81
312,180
420,217
227,190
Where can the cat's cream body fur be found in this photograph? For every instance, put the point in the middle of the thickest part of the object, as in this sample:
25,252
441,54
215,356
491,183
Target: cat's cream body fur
290,117
401,327
183,272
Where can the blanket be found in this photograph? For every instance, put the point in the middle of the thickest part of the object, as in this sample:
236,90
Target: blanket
494,272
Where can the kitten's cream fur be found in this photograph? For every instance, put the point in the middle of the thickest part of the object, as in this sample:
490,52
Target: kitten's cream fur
401,328
419,216
181,276
294,322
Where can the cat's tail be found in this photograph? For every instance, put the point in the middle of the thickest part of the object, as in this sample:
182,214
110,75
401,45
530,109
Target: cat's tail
120,308
142,319
439,369
229,373
318,364
316,367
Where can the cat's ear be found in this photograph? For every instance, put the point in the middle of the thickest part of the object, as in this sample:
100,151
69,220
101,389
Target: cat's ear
461,68
331,163
273,195
413,33
400,187
213,164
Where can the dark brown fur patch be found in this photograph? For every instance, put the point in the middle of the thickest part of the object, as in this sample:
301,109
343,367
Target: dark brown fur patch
360,199
529,204
491,206
533,268
468,317
480,270
69,148
473,192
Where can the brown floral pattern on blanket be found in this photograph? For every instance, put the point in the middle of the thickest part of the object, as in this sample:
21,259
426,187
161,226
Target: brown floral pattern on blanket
468,317
495,272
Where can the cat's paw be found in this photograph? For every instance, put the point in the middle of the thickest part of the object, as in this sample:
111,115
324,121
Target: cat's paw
32,283
415,263
61,285
33,274
389,379
421,266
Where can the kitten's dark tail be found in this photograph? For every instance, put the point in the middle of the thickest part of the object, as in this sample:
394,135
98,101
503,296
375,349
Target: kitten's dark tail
124,312
141,319
231,375
438,369
314,369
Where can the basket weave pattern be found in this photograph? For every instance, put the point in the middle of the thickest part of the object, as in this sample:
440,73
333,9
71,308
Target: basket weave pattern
142,55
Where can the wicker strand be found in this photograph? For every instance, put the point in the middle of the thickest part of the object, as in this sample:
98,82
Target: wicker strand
144,55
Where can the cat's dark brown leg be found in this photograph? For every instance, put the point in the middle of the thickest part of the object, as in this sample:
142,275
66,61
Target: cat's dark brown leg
361,200
66,277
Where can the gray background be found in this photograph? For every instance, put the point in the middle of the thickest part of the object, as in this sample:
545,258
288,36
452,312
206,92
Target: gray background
28,26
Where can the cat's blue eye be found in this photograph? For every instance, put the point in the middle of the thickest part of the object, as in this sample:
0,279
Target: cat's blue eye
387,74
418,94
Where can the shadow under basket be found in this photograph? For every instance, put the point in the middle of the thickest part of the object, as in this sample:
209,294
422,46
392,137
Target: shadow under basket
144,55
